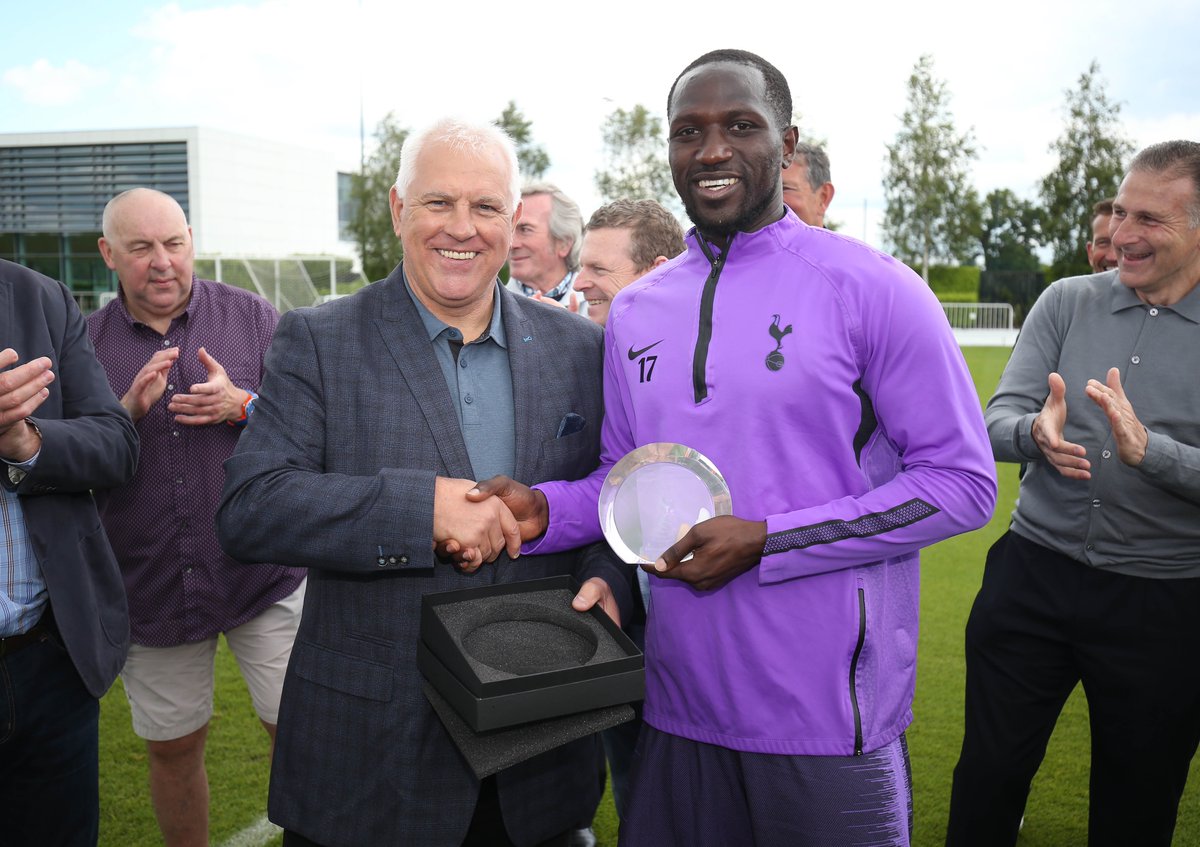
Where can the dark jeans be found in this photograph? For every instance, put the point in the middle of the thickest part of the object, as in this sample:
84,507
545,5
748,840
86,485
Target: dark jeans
1041,623
49,749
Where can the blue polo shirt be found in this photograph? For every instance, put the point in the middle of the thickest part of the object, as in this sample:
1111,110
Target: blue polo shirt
480,382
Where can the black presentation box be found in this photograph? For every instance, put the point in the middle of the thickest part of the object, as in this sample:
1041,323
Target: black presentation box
509,654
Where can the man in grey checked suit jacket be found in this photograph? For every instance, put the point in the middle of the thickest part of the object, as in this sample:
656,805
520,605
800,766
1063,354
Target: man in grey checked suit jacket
373,418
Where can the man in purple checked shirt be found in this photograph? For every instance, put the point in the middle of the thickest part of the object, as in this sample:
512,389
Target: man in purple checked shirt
185,355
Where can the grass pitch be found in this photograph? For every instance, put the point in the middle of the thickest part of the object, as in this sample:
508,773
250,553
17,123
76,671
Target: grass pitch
1056,816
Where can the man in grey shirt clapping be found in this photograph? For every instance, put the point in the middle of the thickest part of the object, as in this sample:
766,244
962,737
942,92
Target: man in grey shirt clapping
1098,579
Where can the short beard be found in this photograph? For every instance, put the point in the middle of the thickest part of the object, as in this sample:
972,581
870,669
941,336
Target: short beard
723,230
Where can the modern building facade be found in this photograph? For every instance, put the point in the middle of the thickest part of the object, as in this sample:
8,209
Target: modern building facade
244,197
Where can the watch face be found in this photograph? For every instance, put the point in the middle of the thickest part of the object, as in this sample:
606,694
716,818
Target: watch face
654,495
249,407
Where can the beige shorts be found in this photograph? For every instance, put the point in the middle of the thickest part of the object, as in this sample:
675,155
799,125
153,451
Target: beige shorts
170,689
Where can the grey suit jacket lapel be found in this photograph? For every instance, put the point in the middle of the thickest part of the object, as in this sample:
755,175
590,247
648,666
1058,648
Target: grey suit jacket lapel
403,334
525,363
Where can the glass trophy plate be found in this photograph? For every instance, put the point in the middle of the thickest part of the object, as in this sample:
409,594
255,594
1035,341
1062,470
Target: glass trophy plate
654,495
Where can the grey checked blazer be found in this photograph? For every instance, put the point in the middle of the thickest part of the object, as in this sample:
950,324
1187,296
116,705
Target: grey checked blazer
336,472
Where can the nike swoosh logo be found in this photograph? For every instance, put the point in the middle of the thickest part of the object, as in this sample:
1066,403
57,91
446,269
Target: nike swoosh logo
633,354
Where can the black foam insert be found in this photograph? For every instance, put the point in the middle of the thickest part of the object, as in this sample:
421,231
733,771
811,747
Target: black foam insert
503,638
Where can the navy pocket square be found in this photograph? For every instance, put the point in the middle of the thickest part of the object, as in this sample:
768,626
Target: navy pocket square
570,424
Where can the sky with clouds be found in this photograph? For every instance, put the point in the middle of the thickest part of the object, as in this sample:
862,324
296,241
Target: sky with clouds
303,71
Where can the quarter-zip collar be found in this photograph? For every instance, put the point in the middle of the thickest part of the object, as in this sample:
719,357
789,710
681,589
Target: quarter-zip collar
704,336
767,238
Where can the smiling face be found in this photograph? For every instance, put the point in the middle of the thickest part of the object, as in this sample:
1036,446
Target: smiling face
149,245
1102,256
538,259
726,153
1157,242
455,221
606,268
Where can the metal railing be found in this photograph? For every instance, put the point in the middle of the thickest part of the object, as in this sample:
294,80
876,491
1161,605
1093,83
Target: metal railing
979,315
287,282
981,324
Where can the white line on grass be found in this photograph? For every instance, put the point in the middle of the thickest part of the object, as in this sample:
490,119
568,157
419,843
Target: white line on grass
257,834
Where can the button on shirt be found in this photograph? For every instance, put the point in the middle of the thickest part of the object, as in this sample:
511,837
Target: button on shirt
1142,521
480,383
181,585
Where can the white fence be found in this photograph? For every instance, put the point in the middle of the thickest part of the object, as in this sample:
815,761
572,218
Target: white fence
981,324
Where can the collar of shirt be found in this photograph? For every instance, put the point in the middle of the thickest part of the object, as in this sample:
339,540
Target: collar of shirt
435,326
196,296
1124,297
557,292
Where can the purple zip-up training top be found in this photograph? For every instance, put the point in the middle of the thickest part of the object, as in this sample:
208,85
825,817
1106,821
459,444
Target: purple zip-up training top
822,379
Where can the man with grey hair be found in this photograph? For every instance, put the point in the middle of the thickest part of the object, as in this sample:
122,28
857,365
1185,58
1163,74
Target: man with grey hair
1098,579
807,189
185,356
378,412
545,247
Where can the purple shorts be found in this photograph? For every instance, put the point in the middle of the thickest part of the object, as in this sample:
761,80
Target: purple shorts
692,794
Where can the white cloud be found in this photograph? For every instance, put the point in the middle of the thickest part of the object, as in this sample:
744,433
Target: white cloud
43,84
297,71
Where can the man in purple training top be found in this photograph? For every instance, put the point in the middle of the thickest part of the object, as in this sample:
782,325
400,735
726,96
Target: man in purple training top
821,377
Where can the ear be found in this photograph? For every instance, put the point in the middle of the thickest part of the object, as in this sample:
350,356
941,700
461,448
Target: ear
396,202
1089,251
659,260
791,137
106,253
826,194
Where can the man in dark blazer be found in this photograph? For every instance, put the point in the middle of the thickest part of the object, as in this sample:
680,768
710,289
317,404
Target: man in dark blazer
64,626
376,413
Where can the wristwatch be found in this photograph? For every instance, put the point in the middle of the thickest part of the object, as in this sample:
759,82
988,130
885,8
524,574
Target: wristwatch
17,471
247,408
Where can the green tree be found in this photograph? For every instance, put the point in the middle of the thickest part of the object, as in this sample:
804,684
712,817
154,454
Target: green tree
1009,232
932,210
371,224
635,159
1091,160
533,158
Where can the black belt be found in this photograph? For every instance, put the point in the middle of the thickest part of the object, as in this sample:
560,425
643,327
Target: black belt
37,632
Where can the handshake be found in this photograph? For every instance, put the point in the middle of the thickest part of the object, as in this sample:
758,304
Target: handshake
474,522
